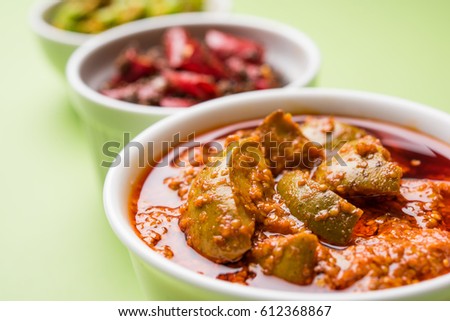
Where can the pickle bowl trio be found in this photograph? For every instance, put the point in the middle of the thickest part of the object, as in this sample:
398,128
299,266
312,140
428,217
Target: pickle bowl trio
197,72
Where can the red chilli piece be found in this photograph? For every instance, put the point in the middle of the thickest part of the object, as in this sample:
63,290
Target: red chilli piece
263,83
132,67
201,60
125,93
151,91
259,76
199,86
177,102
176,46
186,53
226,45
236,65
242,70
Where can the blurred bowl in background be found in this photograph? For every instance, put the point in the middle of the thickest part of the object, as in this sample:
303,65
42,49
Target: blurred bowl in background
291,53
59,44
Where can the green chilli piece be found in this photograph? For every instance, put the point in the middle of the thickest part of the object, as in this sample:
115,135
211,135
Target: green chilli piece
163,7
361,167
291,257
94,16
325,213
68,14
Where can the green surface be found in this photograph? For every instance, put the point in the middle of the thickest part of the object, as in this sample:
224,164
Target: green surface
55,242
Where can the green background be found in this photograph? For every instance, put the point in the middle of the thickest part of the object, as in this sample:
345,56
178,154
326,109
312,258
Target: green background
55,243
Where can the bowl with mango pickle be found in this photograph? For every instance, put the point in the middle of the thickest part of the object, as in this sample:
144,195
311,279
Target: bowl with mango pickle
311,194
63,26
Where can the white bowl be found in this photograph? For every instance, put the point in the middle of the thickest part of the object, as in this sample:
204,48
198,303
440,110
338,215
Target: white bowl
289,51
163,279
59,44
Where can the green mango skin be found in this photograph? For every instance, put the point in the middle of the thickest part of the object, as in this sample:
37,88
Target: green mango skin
316,129
291,257
285,147
254,185
214,219
367,170
325,213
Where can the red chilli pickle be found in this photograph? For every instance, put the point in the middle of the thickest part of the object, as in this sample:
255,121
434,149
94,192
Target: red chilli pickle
184,70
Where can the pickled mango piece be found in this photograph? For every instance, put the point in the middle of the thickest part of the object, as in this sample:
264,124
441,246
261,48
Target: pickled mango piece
255,186
291,258
316,129
362,167
214,219
285,147
325,213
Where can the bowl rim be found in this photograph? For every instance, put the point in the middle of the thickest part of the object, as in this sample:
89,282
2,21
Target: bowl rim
285,31
134,244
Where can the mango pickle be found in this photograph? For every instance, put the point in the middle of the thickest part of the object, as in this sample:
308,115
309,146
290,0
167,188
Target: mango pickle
317,128
255,186
362,167
349,222
291,257
226,199
214,220
325,213
285,147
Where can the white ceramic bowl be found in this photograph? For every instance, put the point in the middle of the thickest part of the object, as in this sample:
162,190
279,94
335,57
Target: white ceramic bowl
163,279
288,50
59,44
